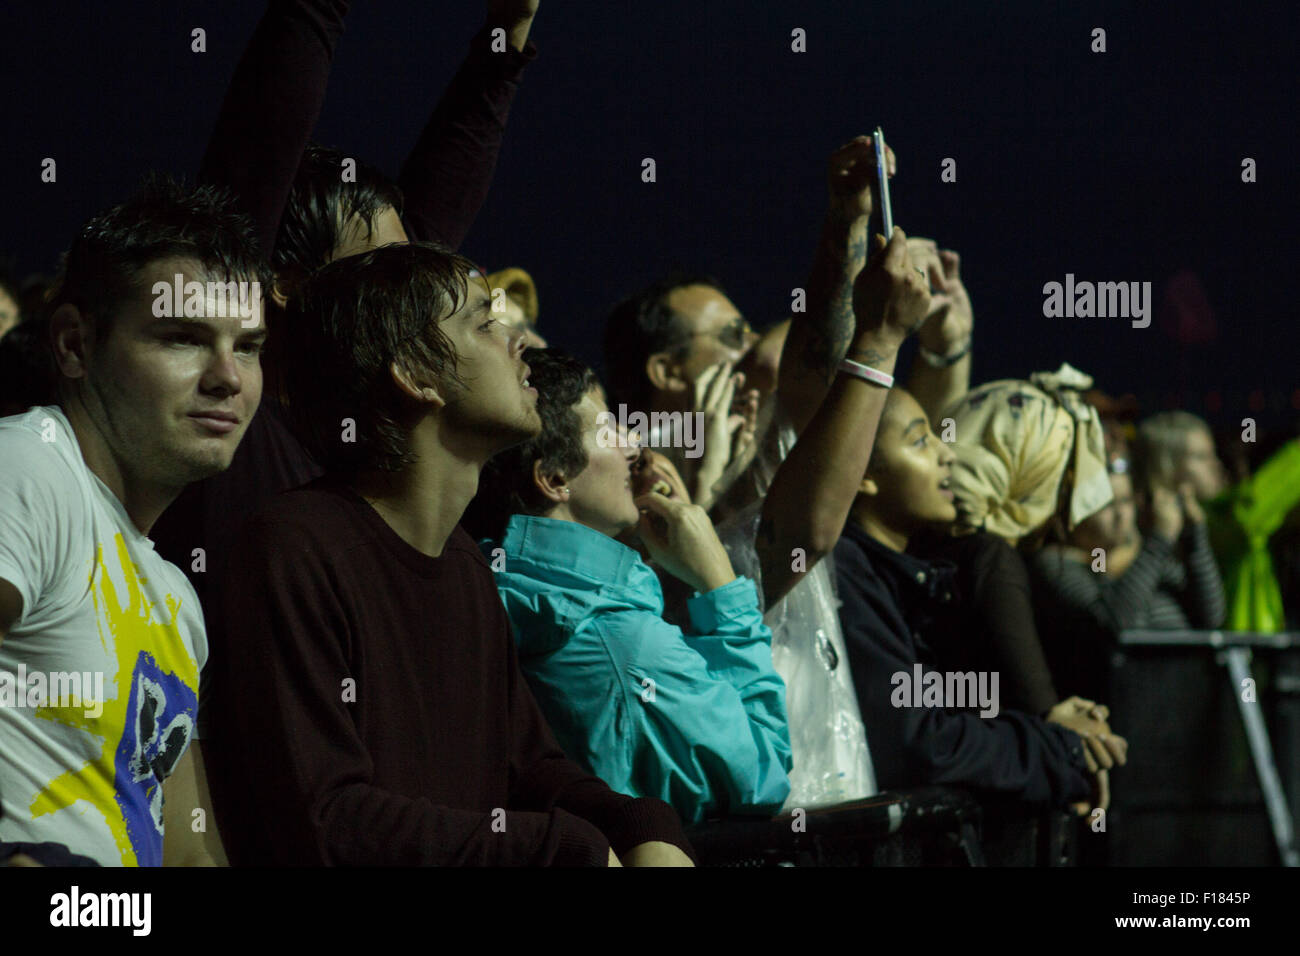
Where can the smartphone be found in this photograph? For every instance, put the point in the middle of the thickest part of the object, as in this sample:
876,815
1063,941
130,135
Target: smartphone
882,172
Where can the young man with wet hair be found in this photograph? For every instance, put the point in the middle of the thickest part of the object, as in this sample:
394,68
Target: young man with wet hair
374,695
101,640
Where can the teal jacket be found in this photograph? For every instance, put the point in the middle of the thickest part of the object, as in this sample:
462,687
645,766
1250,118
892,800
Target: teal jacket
694,718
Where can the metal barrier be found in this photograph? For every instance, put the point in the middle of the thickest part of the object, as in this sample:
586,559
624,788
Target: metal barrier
1232,650
926,826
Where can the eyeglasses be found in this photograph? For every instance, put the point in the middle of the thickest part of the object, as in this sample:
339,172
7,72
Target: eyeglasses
733,336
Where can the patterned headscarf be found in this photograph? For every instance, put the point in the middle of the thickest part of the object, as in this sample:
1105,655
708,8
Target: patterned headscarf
1014,443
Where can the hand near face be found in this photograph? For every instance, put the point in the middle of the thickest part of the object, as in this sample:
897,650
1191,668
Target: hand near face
1166,513
681,539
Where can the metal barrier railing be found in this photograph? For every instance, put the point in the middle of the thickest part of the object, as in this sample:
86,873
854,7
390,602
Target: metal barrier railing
1233,652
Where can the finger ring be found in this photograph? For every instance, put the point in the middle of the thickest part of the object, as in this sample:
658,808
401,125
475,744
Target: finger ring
920,270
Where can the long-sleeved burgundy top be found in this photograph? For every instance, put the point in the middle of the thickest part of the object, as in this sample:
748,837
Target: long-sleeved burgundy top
371,710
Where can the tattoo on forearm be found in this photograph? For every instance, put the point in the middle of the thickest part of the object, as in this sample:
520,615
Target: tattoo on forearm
831,319
867,356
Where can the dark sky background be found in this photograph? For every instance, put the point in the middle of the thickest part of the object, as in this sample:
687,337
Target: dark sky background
1117,166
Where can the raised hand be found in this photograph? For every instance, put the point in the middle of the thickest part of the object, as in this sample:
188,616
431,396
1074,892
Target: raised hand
851,179
951,319
891,295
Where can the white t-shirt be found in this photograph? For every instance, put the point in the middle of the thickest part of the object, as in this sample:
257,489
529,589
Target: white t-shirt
99,676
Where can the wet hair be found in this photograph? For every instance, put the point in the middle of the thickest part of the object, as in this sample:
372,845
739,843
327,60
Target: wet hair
641,325
506,486
347,324
320,207
163,219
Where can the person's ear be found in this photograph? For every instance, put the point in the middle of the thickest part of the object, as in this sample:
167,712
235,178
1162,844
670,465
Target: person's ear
71,332
665,372
553,486
421,388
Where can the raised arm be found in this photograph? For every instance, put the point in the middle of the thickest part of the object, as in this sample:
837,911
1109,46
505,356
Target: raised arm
819,337
941,370
446,178
271,108
814,488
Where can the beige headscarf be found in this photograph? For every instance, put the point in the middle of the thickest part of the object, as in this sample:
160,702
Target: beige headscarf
1014,442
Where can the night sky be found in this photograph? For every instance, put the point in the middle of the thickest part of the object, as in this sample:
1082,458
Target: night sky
1115,166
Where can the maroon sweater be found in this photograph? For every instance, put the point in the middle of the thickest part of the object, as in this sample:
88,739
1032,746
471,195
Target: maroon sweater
369,709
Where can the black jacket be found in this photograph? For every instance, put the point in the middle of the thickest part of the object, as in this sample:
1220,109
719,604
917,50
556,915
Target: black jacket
889,602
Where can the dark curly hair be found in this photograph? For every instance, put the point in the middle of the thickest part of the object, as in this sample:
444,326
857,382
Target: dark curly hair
506,485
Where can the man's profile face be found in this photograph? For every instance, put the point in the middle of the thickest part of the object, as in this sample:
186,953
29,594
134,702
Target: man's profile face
512,316
173,396
496,403
717,330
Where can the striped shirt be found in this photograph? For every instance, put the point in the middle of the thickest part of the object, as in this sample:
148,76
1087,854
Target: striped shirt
1159,590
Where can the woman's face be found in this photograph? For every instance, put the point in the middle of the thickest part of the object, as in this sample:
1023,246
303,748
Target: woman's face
1115,525
600,496
1201,466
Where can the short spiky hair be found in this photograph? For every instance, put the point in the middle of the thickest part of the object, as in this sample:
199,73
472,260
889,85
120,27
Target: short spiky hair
320,205
347,324
506,485
163,219
641,325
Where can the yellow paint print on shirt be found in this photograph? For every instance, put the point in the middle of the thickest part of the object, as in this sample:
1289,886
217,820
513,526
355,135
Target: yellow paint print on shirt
147,719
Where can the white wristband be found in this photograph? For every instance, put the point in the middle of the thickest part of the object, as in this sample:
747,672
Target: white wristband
867,373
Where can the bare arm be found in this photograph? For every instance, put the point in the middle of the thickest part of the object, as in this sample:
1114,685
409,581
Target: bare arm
814,488
945,332
184,792
819,337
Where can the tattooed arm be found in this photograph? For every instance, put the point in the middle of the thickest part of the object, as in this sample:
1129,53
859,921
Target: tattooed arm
814,488
820,336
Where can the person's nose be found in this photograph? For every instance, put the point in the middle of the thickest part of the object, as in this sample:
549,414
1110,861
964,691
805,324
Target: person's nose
630,442
222,376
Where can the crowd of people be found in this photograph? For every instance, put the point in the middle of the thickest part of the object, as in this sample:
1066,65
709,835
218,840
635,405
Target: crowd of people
363,573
